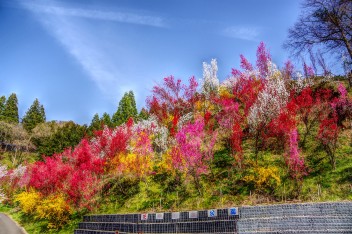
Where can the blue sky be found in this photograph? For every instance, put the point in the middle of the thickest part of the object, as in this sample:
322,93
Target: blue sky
79,57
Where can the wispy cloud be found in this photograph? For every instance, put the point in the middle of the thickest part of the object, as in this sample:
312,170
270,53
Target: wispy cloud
243,33
117,16
86,46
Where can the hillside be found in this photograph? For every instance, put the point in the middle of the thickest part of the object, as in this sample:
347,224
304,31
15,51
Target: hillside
262,136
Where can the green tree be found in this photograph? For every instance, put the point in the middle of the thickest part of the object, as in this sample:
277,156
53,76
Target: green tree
10,112
134,111
34,116
68,134
2,105
143,114
95,124
127,108
106,120
16,141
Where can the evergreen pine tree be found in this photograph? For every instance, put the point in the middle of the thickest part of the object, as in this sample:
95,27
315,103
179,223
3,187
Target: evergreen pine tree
95,124
126,109
10,112
106,119
2,106
133,106
34,116
143,114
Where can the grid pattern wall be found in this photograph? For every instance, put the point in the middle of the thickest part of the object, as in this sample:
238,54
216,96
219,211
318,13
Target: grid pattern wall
206,221
319,218
286,218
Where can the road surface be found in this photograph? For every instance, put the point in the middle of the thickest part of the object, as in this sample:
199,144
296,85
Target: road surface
7,226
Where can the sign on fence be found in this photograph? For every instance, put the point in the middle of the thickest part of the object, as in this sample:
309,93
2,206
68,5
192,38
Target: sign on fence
175,215
144,216
159,216
212,213
233,211
193,214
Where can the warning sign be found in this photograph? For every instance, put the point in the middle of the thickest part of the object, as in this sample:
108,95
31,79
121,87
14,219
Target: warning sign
212,213
159,216
193,214
233,211
144,216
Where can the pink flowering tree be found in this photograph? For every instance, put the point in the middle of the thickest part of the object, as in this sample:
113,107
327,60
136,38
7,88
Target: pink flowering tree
230,122
190,154
263,60
294,160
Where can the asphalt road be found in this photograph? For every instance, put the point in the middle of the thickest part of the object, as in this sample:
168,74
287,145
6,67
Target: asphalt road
7,226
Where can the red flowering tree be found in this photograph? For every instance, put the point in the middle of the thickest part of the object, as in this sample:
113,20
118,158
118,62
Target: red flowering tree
311,108
109,143
328,135
172,100
50,176
76,173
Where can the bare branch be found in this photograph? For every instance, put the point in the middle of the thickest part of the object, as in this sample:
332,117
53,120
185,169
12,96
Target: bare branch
324,23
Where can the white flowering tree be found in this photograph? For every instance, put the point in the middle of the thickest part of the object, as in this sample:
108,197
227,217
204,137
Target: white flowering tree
159,133
210,80
270,101
3,173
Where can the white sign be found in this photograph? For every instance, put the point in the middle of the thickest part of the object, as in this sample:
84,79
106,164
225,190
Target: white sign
159,216
175,215
144,216
193,214
233,211
212,213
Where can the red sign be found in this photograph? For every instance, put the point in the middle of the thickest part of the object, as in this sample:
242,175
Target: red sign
144,216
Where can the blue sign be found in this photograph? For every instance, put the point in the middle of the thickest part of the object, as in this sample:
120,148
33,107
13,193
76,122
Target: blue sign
233,211
212,213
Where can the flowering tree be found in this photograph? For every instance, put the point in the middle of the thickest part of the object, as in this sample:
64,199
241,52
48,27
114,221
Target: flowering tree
311,108
271,100
182,130
294,160
76,173
210,79
138,159
3,173
108,142
328,135
158,133
342,106
50,175
263,61
339,109
190,154
172,100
